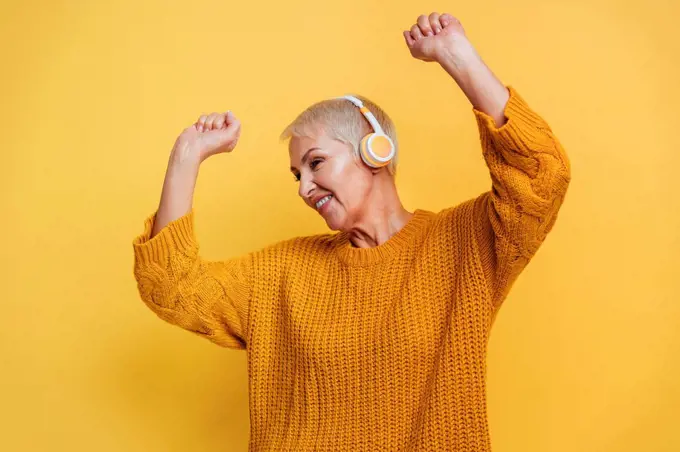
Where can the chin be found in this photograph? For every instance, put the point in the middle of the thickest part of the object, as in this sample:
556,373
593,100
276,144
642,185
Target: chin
334,224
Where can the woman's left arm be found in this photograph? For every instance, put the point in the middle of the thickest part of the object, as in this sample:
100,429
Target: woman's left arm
529,169
530,173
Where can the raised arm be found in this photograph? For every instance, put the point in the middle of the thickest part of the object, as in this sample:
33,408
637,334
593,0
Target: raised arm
210,135
529,169
530,173
210,299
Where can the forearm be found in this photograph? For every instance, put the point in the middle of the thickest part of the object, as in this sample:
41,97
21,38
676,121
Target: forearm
178,190
484,90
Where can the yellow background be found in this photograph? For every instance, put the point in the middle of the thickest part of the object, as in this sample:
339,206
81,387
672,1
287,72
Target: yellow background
584,355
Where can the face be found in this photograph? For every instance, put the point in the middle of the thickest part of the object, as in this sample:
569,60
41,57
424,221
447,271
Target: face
327,167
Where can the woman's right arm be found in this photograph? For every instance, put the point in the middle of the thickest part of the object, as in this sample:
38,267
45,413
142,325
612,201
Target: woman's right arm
210,299
211,134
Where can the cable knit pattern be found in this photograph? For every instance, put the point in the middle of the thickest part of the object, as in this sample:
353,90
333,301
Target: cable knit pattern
371,349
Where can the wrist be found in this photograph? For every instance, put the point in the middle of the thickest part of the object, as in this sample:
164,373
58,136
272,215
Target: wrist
459,58
183,159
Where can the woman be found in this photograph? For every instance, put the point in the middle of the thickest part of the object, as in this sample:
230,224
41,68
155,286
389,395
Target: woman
373,337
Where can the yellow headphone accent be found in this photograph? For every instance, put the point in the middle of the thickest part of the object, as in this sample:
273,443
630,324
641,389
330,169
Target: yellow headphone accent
376,149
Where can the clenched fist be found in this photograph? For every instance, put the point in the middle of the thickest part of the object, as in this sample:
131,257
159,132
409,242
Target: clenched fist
211,134
434,35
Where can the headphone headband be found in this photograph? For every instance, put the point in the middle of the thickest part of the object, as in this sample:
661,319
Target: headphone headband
376,149
365,111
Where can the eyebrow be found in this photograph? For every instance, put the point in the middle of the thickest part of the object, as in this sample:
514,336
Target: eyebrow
304,157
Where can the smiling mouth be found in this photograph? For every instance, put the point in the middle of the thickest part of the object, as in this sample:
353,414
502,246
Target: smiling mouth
323,201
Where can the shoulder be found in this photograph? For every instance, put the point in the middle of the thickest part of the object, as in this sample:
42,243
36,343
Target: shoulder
293,257
308,245
459,214
458,224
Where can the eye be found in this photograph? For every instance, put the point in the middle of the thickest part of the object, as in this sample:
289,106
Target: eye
315,162
297,177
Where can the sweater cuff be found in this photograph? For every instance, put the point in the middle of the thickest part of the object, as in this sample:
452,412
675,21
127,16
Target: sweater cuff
524,129
176,235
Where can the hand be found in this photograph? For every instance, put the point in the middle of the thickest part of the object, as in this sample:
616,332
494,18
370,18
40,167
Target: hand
212,134
434,35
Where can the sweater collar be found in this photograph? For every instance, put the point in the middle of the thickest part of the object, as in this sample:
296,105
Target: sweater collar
401,240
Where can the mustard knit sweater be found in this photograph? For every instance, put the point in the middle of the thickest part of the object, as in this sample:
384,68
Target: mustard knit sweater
371,349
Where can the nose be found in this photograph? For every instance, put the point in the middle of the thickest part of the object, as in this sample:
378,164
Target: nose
306,187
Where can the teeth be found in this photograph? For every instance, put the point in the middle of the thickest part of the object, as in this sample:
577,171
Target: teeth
323,201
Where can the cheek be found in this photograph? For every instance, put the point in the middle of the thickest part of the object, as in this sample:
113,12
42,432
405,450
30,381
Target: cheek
349,179
354,187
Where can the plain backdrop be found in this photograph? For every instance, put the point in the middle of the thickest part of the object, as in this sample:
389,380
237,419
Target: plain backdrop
584,354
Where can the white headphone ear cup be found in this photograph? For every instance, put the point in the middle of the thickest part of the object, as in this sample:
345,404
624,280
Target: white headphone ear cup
366,153
377,150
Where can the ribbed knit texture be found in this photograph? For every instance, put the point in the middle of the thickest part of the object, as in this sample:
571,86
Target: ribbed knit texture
371,349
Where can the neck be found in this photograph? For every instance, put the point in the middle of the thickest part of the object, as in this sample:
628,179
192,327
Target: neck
382,216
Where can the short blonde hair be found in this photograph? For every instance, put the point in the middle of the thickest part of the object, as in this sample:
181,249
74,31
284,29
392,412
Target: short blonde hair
341,119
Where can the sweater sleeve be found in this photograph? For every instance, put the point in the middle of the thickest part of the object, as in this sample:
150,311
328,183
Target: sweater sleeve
208,298
530,173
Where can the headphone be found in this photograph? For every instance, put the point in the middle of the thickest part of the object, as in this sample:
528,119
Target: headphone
376,148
